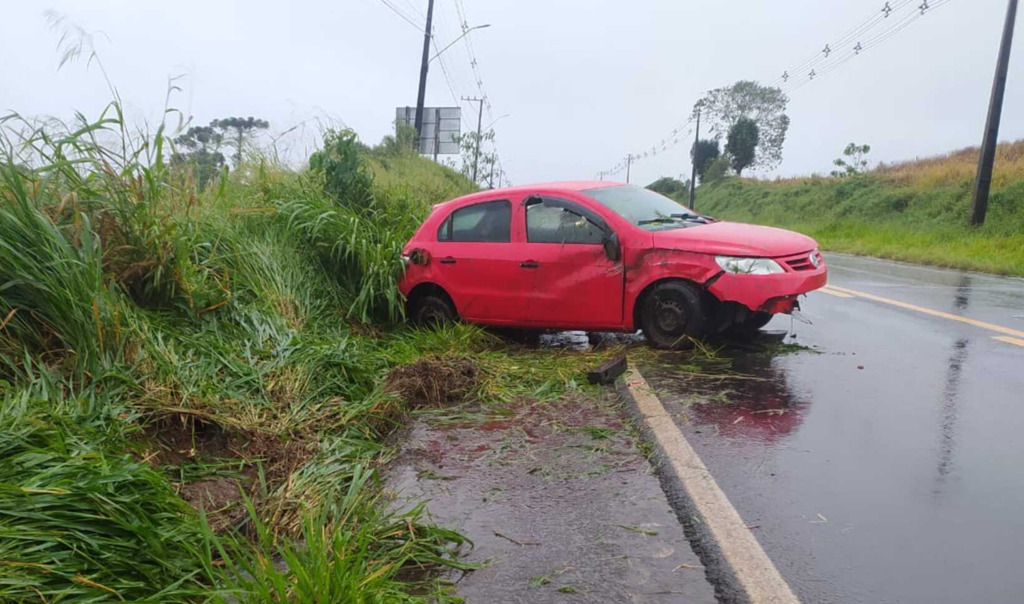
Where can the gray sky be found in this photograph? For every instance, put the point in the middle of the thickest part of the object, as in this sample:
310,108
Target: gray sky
585,83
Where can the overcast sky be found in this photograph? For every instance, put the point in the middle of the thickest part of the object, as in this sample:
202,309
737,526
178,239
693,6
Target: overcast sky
584,82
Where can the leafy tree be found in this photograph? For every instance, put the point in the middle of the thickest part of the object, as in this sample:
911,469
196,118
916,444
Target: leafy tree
702,153
200,147
468,144
671,187
765,105
240,129
717,170
856,161
741,143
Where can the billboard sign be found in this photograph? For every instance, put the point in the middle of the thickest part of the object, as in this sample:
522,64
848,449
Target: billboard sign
440,131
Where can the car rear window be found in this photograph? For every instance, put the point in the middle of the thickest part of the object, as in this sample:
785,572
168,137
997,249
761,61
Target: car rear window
488,222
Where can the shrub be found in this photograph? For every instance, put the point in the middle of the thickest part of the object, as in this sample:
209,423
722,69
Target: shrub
717,170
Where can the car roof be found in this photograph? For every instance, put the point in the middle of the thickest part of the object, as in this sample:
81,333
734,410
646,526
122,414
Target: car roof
569,186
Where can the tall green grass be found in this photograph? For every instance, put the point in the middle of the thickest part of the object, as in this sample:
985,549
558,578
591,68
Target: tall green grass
135,308
155,338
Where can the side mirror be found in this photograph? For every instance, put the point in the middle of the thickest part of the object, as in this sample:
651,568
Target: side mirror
612,248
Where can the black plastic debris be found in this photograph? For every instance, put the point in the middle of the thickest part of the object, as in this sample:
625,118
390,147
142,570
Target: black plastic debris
607,372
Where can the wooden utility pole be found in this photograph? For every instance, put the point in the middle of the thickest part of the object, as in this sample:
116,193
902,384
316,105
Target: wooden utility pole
422,93
693,155
629,161
987,157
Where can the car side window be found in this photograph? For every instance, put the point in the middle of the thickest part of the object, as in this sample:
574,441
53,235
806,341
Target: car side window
488,222
565,223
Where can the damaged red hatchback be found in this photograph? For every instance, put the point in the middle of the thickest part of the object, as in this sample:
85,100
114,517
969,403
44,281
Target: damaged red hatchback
601,256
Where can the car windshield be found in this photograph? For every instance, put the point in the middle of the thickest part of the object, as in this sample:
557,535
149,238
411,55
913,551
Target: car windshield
645,208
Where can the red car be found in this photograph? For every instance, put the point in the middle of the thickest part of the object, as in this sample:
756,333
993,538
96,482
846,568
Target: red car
602,256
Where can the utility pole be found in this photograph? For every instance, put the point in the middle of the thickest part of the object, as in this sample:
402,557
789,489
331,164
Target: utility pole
421,95
479,123
987,157
693,155
629,160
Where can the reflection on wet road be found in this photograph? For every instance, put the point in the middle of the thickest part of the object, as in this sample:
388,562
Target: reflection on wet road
881,465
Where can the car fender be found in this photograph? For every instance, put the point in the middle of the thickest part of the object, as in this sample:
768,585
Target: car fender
648,266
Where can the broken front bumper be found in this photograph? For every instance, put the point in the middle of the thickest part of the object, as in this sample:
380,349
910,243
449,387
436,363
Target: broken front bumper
768,293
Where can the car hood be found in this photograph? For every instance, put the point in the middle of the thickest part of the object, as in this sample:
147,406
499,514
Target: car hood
734,239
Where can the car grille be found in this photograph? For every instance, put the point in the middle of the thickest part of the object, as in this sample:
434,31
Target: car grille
799,262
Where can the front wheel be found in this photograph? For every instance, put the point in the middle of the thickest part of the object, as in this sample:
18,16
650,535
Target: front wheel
671,314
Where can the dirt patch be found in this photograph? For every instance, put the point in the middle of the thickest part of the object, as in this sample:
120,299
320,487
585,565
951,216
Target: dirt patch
435,382
220,499
212,464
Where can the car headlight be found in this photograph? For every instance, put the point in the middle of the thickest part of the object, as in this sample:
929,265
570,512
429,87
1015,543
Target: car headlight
749,266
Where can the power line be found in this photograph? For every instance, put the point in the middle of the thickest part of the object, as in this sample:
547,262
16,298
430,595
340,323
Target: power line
843,41
918,11
832,56
460,10
402,15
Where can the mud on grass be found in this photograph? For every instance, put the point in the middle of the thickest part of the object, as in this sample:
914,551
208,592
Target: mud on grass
435,382
214,467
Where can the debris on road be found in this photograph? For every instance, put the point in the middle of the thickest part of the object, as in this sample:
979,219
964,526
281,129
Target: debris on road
608,371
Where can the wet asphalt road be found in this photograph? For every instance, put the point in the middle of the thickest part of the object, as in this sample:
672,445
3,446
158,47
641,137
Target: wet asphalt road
885,464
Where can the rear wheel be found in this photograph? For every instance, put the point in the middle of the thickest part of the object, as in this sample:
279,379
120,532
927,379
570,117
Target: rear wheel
671,314
432,309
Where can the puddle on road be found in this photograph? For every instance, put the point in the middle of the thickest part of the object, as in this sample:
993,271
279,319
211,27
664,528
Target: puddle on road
736,390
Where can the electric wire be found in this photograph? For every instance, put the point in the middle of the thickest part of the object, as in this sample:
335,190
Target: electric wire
403,16
834,55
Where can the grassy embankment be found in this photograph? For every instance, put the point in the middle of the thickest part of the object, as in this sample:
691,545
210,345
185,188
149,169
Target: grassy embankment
916,211
164,350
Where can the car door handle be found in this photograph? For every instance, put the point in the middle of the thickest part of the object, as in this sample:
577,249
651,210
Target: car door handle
530,264
448,260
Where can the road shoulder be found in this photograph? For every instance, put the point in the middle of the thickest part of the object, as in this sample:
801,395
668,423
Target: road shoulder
558,500
736,564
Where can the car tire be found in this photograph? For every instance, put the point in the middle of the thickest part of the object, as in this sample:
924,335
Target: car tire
671,314
433,309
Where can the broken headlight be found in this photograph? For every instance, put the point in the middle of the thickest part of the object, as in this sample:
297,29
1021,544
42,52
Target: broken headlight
749,266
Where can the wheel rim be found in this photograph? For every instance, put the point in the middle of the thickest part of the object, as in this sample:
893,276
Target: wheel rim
669,316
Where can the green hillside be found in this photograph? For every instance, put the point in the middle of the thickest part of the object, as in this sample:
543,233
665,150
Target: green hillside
915,211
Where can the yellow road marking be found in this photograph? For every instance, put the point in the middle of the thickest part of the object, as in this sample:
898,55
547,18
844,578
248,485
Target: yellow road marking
832,292
928,311
1009,340
754,571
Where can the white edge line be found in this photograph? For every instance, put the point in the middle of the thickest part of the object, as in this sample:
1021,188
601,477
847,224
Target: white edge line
757,575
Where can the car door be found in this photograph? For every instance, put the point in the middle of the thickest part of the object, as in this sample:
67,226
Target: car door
478,265
575,284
